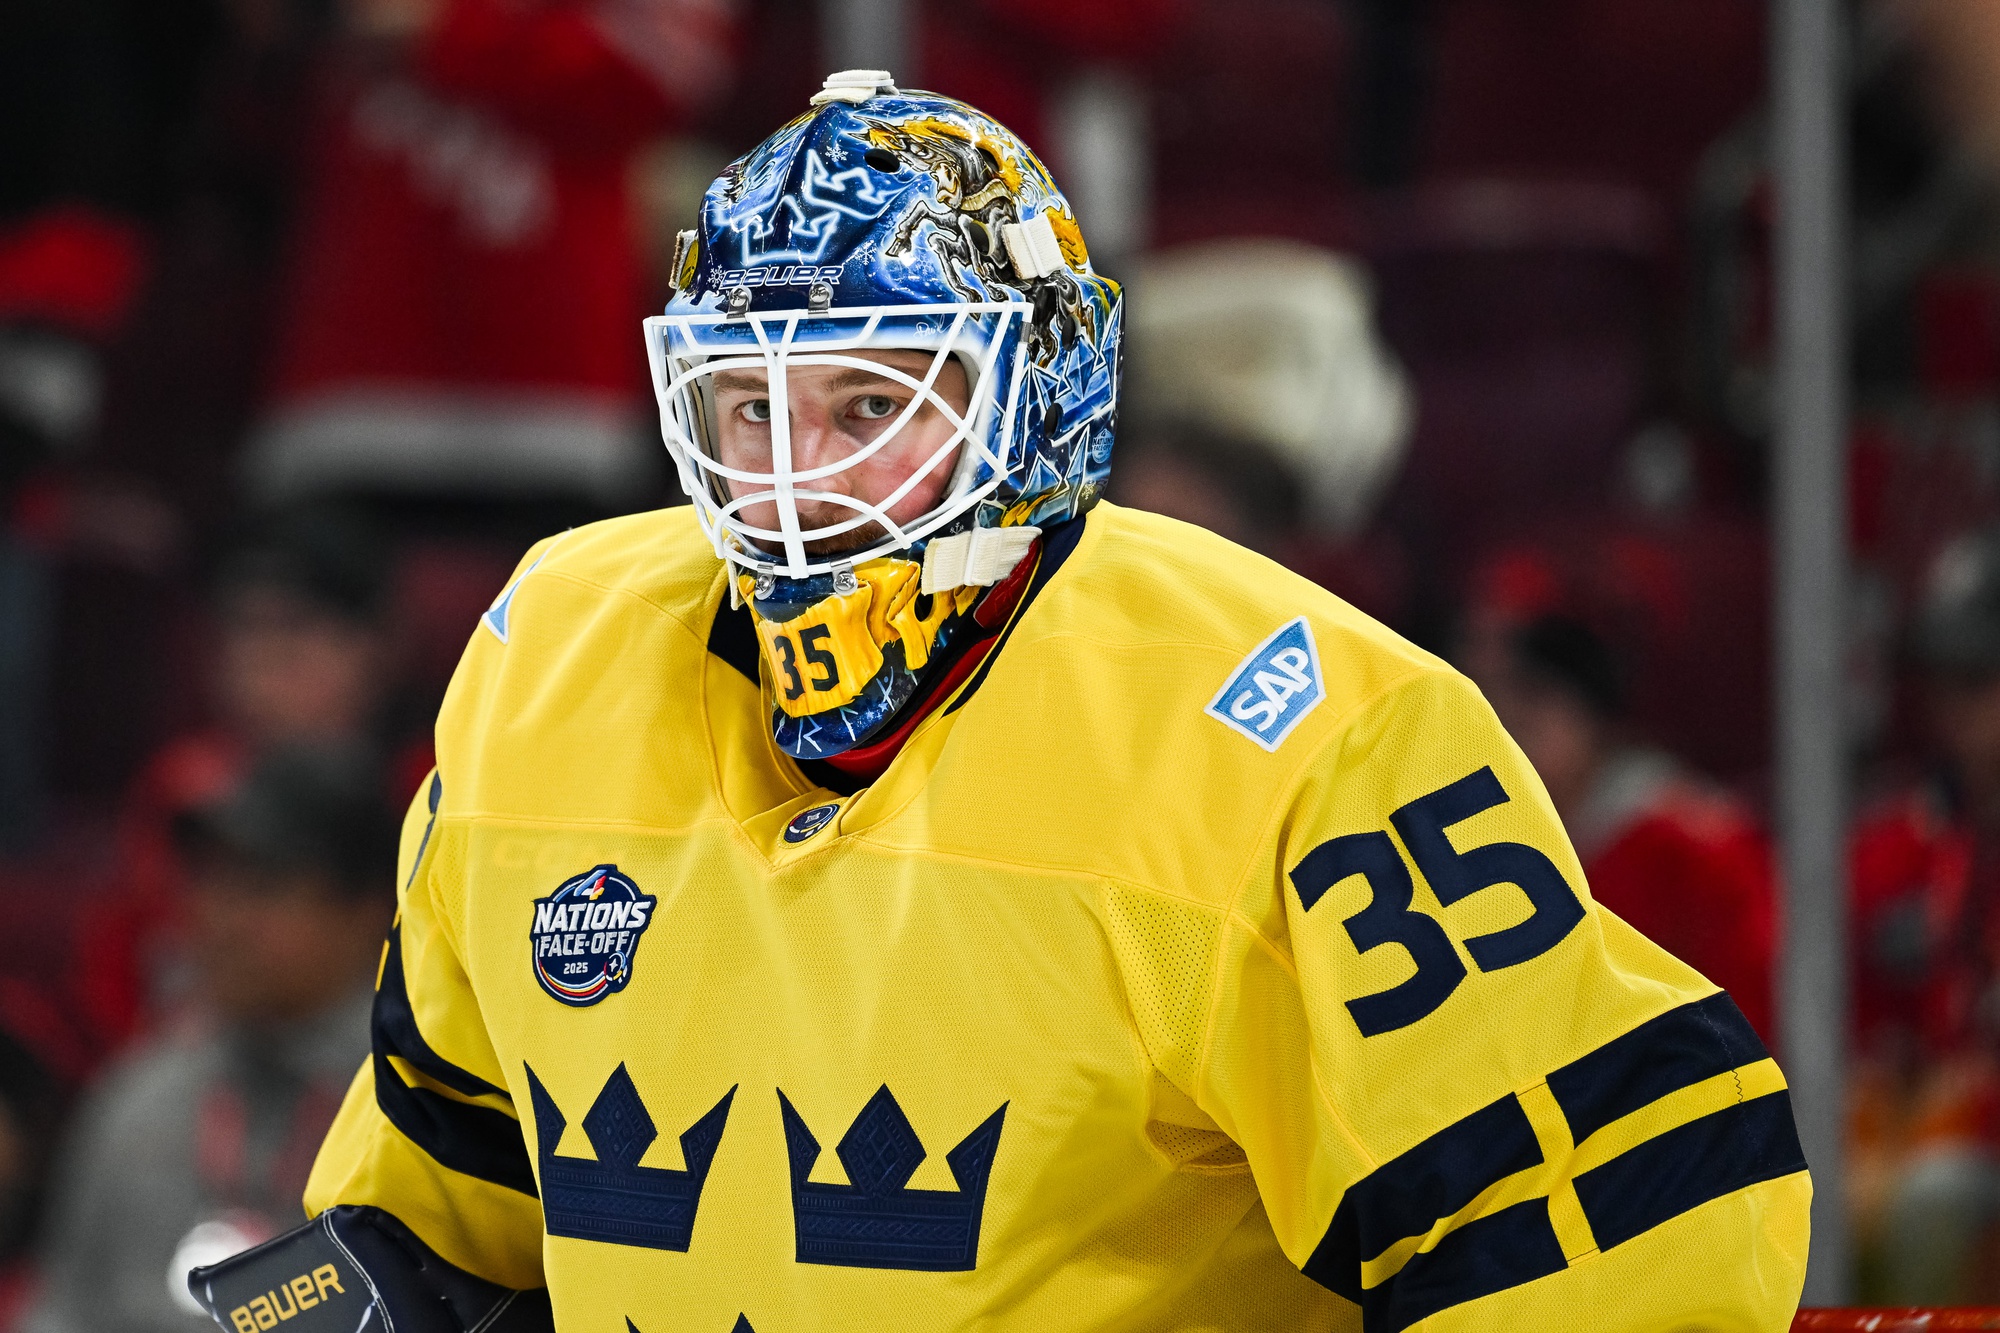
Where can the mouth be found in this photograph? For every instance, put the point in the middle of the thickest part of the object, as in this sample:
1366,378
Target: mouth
870,533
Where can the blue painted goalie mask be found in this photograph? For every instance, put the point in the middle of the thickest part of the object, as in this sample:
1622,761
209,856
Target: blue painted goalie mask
912,248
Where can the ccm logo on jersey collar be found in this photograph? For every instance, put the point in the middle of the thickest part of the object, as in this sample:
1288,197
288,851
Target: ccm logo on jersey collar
808,822
1272,689
585,935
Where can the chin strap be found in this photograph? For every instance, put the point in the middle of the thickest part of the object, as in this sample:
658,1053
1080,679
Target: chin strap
975,559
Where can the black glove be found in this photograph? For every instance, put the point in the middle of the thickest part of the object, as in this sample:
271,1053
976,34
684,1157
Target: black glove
355,1269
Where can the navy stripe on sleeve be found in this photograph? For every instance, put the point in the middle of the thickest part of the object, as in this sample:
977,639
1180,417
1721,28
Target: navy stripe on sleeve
472,1140
1662,1055
1654,1182
430,826
1407,1195
1505,1249
1686,1167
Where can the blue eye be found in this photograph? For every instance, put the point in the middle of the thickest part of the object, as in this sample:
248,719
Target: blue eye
874,407
757,410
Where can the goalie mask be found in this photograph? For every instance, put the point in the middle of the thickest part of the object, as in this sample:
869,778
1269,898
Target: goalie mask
886,366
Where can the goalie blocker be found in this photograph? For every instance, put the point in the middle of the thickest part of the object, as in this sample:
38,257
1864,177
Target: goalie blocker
359,1270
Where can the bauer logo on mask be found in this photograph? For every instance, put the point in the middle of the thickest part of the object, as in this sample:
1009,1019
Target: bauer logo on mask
586,934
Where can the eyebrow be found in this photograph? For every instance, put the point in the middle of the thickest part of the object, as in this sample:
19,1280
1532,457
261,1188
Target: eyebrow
853,377
850,377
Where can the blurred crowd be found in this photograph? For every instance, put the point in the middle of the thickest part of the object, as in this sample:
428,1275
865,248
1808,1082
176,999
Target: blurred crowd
314,313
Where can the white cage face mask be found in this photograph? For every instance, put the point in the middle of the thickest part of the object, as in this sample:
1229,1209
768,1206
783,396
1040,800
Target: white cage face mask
774,497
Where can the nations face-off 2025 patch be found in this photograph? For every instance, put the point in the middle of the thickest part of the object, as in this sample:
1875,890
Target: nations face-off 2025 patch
585,935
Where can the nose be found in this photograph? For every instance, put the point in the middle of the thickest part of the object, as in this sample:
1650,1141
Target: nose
817,443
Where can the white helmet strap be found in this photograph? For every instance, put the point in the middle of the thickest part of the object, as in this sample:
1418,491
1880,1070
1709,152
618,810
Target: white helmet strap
975,559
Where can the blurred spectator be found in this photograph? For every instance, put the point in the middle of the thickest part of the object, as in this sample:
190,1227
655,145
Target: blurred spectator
1683,597
67,279
466,280
300,656
1260,404
1220,482
1926,888
1670,854
1274,343
200,1143
1927,861
1959,41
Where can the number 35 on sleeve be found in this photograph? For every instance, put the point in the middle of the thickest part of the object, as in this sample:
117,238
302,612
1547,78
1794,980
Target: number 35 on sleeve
1389,918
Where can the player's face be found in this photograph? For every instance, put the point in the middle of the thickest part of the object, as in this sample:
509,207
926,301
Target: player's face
834,412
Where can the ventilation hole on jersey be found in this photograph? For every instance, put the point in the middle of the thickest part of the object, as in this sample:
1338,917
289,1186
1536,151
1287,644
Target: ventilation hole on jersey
1198,1149
1227,1155
1166,955
882,160
1179,1142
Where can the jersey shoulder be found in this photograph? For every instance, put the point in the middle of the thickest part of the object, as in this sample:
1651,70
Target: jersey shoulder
659,558
1167,696
1202,602
567,662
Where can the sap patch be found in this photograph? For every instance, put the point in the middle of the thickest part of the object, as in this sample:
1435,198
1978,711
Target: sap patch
499,616
1272,689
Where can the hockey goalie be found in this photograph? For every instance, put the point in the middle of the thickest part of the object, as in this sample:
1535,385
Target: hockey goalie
901,891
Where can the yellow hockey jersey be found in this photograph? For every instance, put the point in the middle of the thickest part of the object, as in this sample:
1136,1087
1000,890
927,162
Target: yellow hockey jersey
1212,961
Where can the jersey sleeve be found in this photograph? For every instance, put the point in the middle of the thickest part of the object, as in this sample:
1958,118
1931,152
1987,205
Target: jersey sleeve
428,1131
1472,1099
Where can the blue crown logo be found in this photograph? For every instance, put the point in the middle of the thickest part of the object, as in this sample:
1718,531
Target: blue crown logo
877,1221
614,1199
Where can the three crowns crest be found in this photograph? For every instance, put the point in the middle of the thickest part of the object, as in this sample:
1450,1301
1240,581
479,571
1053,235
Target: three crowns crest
875,1221
614,1199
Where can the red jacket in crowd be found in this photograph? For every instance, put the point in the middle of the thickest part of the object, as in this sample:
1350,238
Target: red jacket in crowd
1926,935
467,281
1690,869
